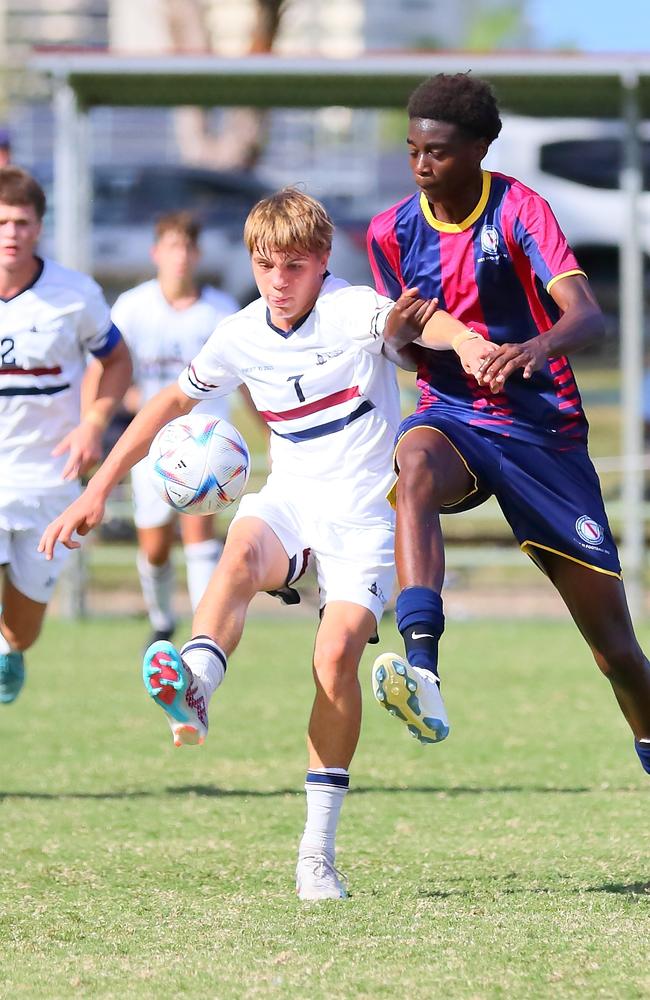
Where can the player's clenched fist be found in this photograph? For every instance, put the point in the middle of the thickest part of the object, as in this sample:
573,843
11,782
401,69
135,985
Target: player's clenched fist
81,517
474,353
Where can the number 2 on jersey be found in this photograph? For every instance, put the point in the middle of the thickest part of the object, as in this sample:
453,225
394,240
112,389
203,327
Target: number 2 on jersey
7,356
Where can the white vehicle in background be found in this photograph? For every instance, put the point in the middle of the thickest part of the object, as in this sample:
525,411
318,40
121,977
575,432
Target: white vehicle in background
575,164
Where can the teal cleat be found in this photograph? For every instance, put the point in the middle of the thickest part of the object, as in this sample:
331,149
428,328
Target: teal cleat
412,695
173,686
12,676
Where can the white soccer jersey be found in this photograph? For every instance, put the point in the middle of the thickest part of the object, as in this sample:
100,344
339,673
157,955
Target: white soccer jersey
326,391
163,340
45,333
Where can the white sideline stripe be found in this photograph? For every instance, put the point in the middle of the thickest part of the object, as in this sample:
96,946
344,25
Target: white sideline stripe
617,463
458,556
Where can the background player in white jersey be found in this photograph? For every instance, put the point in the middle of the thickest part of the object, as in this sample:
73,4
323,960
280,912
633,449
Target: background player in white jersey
166,322
50,317
310,352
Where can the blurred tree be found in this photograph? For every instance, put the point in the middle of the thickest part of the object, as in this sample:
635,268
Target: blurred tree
496,28
239,27
268,14
240,139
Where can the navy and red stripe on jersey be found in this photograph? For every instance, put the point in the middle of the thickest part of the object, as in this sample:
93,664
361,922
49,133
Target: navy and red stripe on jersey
493,272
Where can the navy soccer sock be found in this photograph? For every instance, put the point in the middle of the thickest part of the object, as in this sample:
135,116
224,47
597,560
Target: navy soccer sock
420,620
642,747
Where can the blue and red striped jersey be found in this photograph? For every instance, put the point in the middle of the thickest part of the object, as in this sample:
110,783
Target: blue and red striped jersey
493,271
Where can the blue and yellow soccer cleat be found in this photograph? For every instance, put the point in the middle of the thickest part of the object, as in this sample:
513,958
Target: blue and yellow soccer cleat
173,686
412,695
12,676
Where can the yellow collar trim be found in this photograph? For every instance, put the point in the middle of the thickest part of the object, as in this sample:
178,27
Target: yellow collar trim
458,227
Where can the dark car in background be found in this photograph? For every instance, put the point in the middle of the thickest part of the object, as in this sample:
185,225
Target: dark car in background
128,199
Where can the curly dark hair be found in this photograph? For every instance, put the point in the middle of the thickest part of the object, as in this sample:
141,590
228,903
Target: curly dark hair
460,99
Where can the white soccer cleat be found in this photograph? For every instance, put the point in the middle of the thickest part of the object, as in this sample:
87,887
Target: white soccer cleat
412,695
181,695
317,878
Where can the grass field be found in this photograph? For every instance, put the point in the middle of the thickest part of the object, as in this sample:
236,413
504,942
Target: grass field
512,861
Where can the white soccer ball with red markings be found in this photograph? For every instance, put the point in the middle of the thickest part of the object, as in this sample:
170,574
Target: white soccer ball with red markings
199,463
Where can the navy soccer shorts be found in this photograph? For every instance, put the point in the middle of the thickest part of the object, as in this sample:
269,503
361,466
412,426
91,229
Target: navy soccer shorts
551,498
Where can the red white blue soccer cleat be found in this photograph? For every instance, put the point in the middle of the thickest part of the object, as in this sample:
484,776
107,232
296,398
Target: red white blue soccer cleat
411,695
173,686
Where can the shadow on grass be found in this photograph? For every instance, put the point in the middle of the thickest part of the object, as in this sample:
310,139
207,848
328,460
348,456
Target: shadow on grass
457,790
213,791
76,795
632,889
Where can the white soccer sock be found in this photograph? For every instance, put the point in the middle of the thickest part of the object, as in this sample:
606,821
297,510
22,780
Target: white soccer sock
207,661
4,645
157,584
200,560
326,788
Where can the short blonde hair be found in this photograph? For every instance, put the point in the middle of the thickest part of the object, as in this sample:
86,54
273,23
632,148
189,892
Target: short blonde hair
288,220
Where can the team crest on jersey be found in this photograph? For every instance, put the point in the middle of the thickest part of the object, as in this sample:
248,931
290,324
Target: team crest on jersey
589,530
490,240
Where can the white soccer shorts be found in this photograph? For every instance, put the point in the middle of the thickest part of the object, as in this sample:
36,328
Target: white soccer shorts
149,508
354,562
24,517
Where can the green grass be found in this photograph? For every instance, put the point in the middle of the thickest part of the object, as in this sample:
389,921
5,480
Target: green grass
510,861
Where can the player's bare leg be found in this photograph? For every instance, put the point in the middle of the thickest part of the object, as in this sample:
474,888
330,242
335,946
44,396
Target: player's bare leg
336,714
20,625
432,475
332,739
599,608
253,560
182,682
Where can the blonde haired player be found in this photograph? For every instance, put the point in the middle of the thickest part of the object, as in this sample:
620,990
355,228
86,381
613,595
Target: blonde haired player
310,352
50,318
165,321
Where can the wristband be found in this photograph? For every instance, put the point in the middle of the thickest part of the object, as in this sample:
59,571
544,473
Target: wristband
464,336
96,418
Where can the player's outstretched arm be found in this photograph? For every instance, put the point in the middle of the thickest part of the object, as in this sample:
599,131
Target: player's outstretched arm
443,332
88,510
407,318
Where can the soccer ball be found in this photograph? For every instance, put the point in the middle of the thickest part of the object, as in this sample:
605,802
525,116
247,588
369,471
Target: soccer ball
199,463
